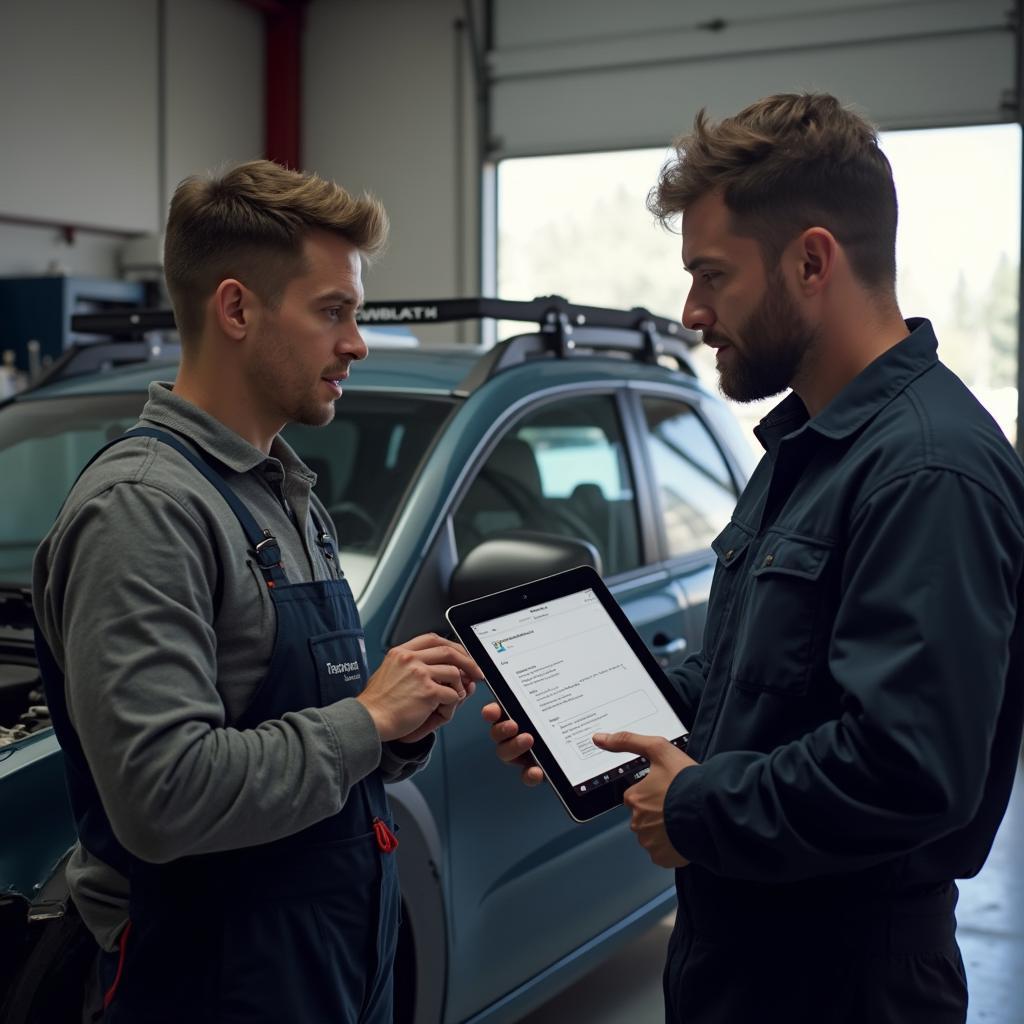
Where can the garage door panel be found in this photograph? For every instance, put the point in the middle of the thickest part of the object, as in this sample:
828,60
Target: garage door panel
632,76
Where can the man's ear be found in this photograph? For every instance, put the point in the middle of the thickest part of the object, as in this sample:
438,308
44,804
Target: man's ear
232,308
816,253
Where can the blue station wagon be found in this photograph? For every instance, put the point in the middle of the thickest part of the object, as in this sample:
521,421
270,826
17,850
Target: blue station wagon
449,473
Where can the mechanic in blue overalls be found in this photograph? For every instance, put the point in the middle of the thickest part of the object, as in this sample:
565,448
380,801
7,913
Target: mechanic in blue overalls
202,653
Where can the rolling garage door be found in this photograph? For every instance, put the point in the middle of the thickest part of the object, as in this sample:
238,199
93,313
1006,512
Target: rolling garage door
582,75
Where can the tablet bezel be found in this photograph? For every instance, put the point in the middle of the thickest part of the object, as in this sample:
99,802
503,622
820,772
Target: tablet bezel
462,617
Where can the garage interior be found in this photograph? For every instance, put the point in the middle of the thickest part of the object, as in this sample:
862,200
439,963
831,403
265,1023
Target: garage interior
429,104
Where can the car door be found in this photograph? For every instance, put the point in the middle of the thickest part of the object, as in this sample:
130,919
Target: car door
694,487
528,885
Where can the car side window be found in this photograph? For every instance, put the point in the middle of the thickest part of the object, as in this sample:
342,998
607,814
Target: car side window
695,488
562,469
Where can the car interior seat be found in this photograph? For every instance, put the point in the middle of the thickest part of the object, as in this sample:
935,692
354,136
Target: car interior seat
506,495
590,504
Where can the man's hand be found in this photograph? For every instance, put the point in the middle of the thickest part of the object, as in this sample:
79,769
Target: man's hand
512,745
418,687
646,799
442,714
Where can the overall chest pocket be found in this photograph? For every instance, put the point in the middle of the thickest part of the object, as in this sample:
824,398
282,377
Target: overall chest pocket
340,662
782,629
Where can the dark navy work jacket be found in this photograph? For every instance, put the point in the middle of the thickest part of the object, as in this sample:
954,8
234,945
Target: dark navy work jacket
858,702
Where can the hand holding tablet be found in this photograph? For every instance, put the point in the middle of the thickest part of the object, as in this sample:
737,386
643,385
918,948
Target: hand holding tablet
646,799
564,663
513,746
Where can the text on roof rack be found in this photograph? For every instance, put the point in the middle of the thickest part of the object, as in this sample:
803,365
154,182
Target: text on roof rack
396,314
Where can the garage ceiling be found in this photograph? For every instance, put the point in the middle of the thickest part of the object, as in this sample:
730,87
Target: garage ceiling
582,75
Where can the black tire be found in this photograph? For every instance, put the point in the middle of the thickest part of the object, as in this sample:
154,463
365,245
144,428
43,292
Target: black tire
50,985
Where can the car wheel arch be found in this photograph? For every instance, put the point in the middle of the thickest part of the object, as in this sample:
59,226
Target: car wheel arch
420,864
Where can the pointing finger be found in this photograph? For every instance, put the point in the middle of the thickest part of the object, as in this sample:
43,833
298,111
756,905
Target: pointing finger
625,742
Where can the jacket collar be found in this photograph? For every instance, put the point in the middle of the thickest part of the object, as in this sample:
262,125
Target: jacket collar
863,398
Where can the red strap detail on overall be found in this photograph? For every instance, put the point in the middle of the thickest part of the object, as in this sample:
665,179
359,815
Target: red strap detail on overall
386,839
123,944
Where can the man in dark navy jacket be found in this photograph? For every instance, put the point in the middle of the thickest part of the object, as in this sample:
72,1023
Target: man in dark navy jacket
857,706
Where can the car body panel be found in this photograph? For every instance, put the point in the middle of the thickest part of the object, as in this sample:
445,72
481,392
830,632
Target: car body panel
35,808
489,876
575,965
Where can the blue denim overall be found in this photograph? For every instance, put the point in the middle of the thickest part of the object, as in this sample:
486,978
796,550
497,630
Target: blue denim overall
302,929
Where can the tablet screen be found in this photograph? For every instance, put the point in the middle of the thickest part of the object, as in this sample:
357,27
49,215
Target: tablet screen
575,674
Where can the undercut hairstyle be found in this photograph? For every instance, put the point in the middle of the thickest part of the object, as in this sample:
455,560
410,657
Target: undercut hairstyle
250,223
785,164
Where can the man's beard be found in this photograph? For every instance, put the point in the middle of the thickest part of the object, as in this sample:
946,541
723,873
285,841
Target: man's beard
775,339
296,398
305,405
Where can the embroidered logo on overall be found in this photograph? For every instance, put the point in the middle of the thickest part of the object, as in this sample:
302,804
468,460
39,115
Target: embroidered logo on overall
341,667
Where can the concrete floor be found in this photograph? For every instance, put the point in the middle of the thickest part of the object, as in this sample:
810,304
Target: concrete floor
990,919
990,915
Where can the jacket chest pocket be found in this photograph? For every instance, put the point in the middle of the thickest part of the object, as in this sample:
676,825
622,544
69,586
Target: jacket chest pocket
340,662
730,547
782,629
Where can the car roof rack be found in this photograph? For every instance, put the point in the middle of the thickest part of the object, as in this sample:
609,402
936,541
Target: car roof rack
566,330
89,356
544,310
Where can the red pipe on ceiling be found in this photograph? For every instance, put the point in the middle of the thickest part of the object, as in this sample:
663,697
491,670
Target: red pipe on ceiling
283,22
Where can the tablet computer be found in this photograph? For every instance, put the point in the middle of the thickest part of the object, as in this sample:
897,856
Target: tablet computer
564,662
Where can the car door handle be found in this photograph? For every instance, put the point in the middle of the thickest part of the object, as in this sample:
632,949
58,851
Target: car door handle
664,650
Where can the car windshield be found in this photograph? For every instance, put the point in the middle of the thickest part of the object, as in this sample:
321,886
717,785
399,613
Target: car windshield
364,461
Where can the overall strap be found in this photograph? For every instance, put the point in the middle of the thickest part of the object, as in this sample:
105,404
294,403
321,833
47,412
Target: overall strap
323,538
267,550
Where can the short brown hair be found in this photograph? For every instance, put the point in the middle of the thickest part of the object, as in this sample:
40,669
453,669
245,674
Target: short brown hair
785,164
250,223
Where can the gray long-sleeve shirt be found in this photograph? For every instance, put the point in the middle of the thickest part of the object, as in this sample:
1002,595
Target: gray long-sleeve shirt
147,594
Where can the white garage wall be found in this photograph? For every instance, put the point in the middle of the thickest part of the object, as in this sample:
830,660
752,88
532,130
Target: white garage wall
84,141
214,74
80,87
583,75
385,113
389,102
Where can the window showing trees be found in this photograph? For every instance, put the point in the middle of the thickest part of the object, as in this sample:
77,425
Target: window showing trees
577,226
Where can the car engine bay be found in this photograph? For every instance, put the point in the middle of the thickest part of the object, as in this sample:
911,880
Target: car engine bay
23,709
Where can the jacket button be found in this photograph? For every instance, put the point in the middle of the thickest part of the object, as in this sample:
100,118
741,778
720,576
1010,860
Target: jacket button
768,559
729,554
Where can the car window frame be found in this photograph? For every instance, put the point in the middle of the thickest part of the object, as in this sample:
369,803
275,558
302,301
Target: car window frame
454,403
636,392
647,542
441,554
